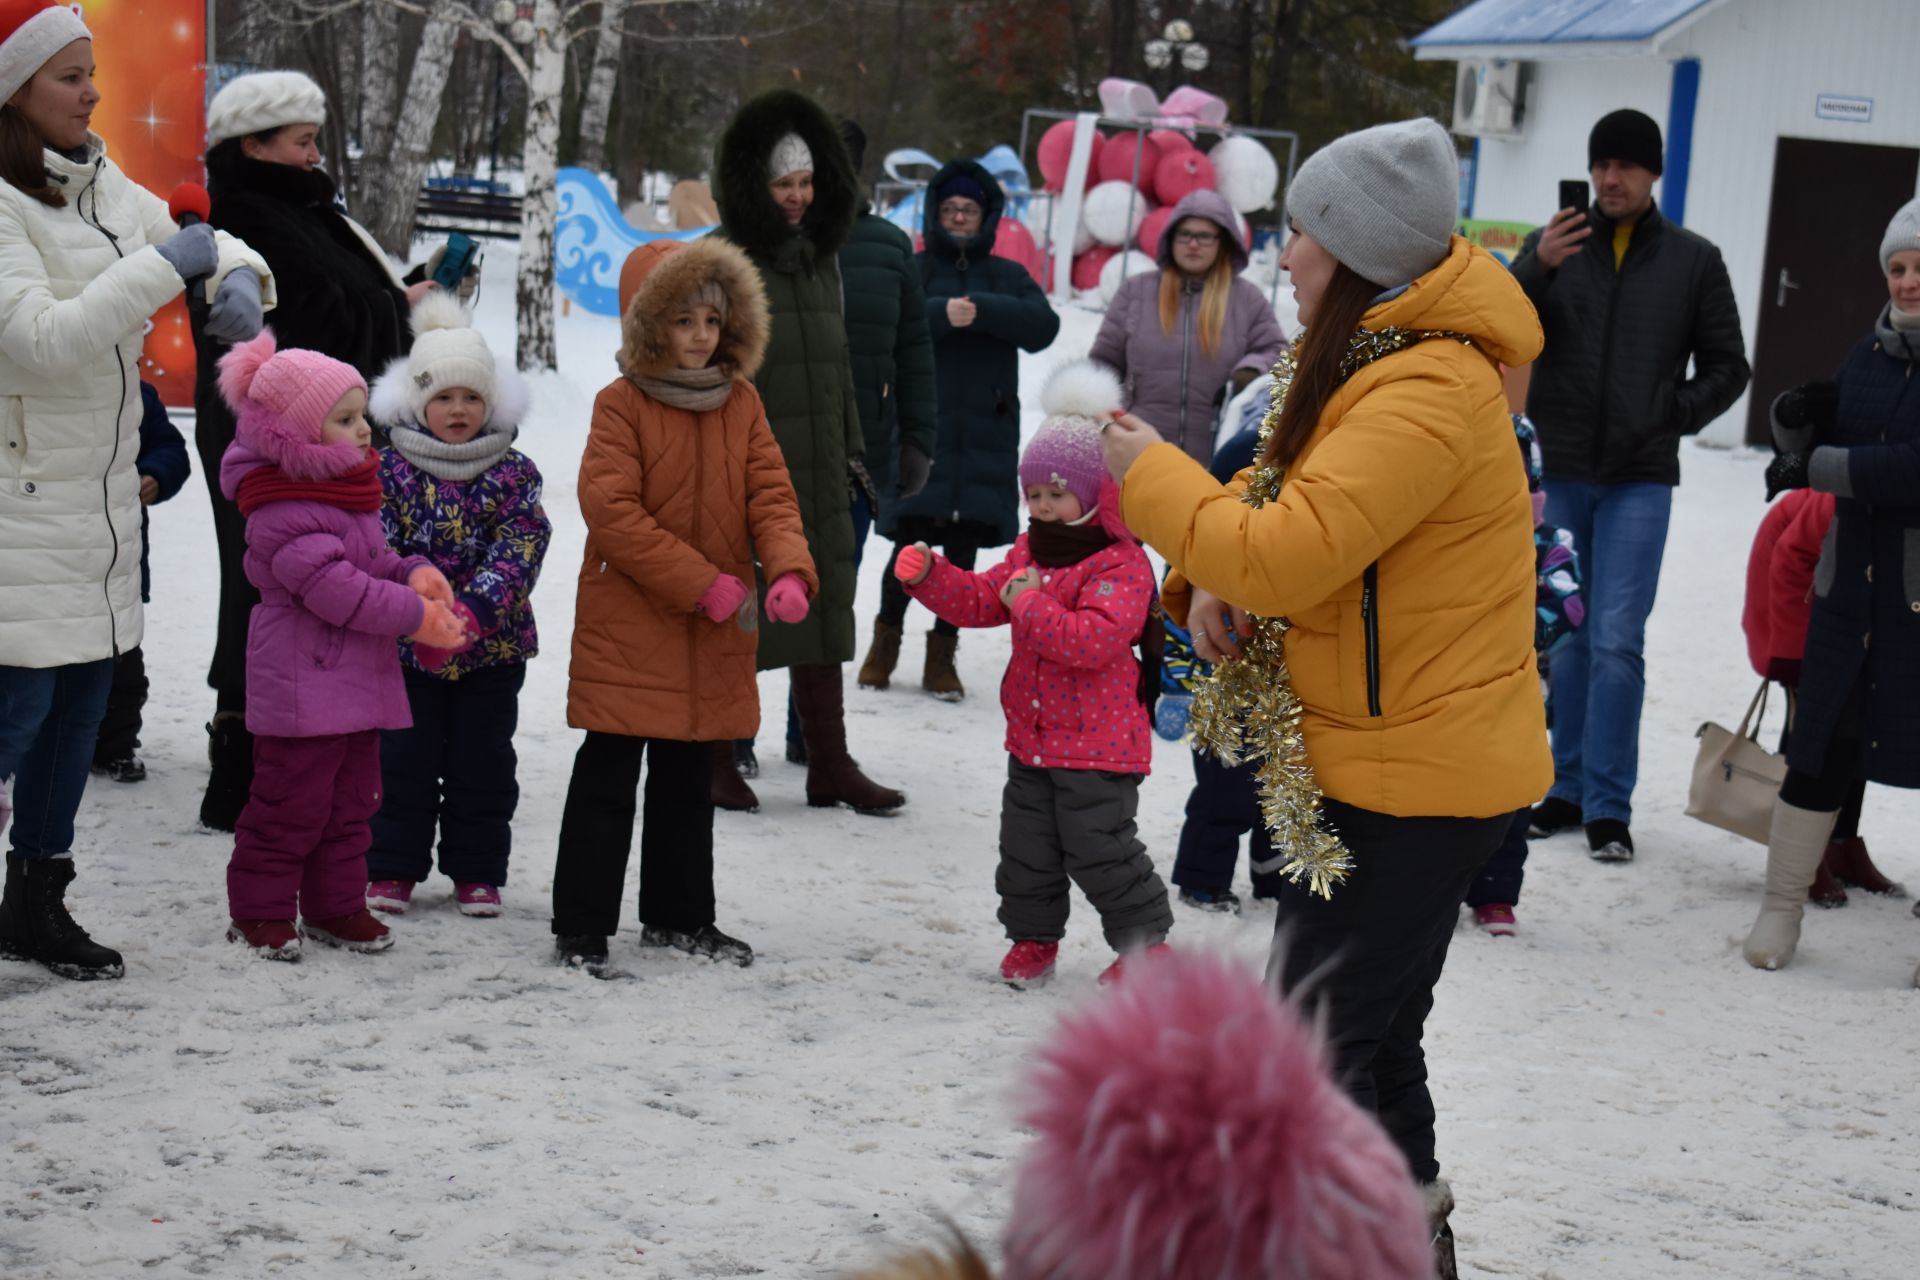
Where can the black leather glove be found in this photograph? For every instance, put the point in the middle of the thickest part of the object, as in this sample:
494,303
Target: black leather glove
915,466
1786,471
1802,414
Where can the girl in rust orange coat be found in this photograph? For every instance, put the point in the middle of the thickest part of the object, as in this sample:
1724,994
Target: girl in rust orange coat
683,489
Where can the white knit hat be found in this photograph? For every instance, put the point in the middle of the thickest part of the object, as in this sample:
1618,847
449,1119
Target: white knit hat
265,100
1902,233
33,39
1382,200
447,352
790,155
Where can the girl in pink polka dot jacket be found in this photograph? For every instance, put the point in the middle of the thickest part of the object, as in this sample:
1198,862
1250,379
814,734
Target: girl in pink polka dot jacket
1077,591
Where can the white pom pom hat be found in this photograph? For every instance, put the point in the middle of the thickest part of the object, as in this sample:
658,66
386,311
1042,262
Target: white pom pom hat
264,100
447,352
1065,451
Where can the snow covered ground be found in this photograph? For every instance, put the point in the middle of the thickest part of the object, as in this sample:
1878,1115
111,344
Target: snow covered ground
1620,1095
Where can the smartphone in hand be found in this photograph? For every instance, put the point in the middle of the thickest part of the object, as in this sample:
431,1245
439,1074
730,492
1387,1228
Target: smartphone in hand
1573,195
457,261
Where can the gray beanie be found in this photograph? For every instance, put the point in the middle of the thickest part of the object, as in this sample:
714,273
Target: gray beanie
1382,201
1902,233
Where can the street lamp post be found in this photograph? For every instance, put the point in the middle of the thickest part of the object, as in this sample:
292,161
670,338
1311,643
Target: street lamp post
1176,44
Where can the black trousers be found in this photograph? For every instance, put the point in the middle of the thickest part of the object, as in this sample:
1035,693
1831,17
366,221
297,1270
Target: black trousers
227,674
959,541
126,698
1838,784
1500,880
1373,954
596,835
456,770
1223,806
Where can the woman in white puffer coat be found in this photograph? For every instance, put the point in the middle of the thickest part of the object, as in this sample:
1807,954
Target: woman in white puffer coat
86,257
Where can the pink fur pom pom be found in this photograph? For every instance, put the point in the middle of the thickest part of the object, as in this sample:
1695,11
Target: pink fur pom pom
1189,1130
239,366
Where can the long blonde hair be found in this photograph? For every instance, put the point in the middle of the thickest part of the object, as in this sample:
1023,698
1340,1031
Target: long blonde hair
1214,295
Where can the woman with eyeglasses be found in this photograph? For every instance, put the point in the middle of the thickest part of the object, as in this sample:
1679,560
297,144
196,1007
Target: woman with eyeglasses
1193,336
983,312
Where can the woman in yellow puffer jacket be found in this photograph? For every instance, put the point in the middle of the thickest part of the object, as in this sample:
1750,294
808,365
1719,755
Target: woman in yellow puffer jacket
1401,548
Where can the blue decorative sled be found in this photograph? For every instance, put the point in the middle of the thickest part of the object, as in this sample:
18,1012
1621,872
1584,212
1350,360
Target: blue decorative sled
591,241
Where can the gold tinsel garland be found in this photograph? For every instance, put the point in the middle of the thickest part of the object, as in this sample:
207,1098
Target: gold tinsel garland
1248,709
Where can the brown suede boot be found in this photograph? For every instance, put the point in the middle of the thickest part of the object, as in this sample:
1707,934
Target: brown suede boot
940,678
1826,890
730,790
1848,861
882,656
833,777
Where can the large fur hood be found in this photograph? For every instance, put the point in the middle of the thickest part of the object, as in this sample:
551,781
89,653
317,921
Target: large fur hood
659,274
747,210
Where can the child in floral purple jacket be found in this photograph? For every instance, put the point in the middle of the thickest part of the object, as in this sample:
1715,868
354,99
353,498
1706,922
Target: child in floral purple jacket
458,493
1078,592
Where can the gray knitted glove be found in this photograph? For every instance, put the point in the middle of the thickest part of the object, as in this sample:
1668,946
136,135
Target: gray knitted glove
191,251
236,314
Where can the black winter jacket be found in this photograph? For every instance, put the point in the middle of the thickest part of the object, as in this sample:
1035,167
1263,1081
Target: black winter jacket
1610,394
976,464
163,455
890,348
1865,624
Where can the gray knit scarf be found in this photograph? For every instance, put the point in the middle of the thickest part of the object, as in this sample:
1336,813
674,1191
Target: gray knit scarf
695,390
455,463
1899,335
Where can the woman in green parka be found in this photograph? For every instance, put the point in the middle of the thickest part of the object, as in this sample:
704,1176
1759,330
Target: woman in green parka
788,198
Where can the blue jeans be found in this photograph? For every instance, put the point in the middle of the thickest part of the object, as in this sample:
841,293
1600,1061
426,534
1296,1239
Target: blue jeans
49,718
1599,677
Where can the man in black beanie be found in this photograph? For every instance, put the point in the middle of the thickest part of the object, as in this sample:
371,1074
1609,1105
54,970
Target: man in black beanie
1627,300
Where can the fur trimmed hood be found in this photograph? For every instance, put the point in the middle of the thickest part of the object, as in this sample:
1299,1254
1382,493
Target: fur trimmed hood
747,209
658,275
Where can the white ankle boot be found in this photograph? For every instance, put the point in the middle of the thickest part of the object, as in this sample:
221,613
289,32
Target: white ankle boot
1795,845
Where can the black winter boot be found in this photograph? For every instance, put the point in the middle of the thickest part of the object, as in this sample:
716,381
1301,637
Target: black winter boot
35,926
230,751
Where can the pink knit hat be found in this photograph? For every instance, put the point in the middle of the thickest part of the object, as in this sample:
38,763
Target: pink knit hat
1189,1130
282,399
1066,449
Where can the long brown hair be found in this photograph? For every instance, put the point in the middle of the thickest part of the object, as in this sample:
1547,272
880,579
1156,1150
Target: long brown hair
1214,295
1317,355
23,160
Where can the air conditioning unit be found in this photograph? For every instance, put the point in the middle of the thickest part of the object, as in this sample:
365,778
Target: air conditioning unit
1489,99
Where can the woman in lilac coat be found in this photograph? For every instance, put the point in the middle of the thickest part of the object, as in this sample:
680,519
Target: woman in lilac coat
323,671
1179,338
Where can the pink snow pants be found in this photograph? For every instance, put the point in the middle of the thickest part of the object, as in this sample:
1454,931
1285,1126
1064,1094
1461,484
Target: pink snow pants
303,836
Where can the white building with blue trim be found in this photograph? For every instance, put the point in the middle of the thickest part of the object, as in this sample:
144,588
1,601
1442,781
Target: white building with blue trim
1792,134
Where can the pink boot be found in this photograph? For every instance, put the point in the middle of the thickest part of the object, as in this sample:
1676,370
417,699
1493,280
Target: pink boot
1029,964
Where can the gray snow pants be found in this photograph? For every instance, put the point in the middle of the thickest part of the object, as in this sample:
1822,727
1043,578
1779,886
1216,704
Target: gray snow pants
1076,825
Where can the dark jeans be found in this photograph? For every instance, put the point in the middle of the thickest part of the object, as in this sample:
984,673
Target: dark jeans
227,674
960,541
1500,881
455,768
1223,806
120,726
49,719
596,835
1373,952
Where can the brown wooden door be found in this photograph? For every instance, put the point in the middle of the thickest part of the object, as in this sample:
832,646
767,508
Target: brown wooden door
1821,288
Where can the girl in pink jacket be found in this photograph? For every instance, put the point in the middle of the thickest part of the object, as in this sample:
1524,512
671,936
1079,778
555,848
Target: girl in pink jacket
323,666
1077,591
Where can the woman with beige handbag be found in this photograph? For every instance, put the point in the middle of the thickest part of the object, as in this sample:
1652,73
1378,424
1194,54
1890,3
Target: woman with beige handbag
1857,438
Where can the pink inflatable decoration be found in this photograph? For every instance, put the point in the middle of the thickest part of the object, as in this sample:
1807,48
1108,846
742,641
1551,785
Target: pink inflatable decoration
1016,244
1151,229
1086,267
1056,151
1116,161
1180,174
1170,141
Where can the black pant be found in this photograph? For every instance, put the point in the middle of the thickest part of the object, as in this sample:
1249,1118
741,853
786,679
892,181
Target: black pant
1500,880
227,674
596,835
1223,806
1838,785
455,768
126,697
959,540
1375,950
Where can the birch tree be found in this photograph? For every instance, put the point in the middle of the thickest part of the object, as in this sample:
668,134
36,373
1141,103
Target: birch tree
597,104
379,86
390,216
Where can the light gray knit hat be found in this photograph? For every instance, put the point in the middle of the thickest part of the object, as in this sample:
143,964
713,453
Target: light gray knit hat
1382,201
1902,233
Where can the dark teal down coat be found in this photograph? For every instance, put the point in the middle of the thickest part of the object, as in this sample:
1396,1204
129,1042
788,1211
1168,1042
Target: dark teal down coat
892,349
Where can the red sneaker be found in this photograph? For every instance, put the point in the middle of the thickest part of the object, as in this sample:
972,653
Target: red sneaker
268,939
1118,969
357,931
390,896
1495,919
1029,964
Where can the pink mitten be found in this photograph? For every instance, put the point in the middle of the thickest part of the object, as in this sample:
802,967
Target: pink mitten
723,598
432,658
910,566
439,628
787,599
430,584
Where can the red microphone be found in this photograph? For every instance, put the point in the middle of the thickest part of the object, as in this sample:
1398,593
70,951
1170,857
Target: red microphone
190,206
